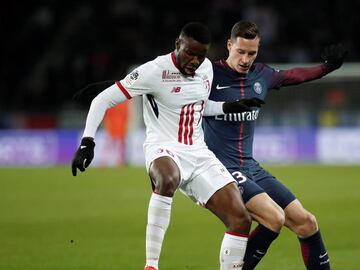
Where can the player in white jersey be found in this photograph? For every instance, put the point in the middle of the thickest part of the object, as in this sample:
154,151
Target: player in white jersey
175,89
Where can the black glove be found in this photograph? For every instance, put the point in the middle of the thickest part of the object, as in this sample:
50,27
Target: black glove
89,92
242,105
84,155
334,56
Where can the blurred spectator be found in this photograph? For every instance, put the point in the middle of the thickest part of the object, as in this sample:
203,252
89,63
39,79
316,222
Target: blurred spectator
116,124
51,49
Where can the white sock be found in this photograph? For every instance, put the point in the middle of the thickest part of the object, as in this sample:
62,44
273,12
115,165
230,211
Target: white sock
158,222
232,251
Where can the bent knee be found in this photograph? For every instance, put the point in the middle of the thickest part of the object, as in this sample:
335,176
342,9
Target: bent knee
311,223
240,222
274,221
167,185
308,226
278,220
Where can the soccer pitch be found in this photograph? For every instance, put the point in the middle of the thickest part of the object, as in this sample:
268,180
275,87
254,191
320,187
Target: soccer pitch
52,220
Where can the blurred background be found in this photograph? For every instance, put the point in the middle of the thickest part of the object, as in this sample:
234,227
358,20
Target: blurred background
51,49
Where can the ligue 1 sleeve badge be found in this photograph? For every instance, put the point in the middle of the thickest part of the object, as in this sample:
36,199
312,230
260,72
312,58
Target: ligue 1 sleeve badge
257,88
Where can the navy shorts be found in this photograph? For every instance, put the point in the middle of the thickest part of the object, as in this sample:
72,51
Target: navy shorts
257,180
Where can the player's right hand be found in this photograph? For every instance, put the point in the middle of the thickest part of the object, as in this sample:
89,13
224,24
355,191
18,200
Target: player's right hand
334,56
242,105
84,155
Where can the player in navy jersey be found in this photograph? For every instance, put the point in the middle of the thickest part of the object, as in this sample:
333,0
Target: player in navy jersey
175,89
230,137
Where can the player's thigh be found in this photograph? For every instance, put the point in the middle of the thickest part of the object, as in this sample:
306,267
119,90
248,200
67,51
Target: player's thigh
204,185
265,211
246,186
164,169
277,191
163,166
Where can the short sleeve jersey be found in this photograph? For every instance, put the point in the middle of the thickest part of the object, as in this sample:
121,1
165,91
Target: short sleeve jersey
173,103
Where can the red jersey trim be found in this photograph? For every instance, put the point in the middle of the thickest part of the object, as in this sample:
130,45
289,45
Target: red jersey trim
173,58
122,88
237,234
241,135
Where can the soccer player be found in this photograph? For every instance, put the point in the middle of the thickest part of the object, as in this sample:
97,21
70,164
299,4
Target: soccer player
230,137
175,89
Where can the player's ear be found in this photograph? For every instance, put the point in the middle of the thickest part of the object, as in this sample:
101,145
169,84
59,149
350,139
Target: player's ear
229,44
177,44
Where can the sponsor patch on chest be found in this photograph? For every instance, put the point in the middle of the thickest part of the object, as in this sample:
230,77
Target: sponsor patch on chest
170,76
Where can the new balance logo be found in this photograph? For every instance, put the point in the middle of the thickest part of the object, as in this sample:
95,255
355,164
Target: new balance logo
176,89
218,87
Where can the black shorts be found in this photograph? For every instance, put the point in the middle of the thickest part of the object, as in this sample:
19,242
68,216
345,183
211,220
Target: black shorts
258,181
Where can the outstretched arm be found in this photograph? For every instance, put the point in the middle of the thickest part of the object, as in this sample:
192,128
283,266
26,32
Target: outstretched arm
299,75
110,97
333,57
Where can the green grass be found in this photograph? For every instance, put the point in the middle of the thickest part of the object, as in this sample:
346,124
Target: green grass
104,212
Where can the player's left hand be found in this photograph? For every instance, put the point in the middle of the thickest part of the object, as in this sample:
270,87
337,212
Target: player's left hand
334,56
242,105
83,156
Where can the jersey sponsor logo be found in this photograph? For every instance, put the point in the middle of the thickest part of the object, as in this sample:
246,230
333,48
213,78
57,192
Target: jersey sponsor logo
238,117
257,88
132,77
170,76
176,89
218,87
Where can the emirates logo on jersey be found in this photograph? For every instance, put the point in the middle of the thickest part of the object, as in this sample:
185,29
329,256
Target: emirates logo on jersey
170,76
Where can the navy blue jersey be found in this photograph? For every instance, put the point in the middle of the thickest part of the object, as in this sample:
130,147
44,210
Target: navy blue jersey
230,136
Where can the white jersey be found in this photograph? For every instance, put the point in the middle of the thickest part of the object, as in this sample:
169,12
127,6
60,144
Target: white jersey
173,103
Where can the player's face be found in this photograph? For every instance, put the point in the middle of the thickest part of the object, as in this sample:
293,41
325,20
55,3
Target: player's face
242,53
189,54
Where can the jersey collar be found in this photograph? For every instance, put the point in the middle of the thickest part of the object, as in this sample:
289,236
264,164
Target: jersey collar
173,58
224,64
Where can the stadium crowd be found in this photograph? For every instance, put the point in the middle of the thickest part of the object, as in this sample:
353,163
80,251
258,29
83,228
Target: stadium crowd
53,48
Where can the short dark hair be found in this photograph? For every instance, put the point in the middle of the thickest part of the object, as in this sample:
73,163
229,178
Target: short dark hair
245,29
197,31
